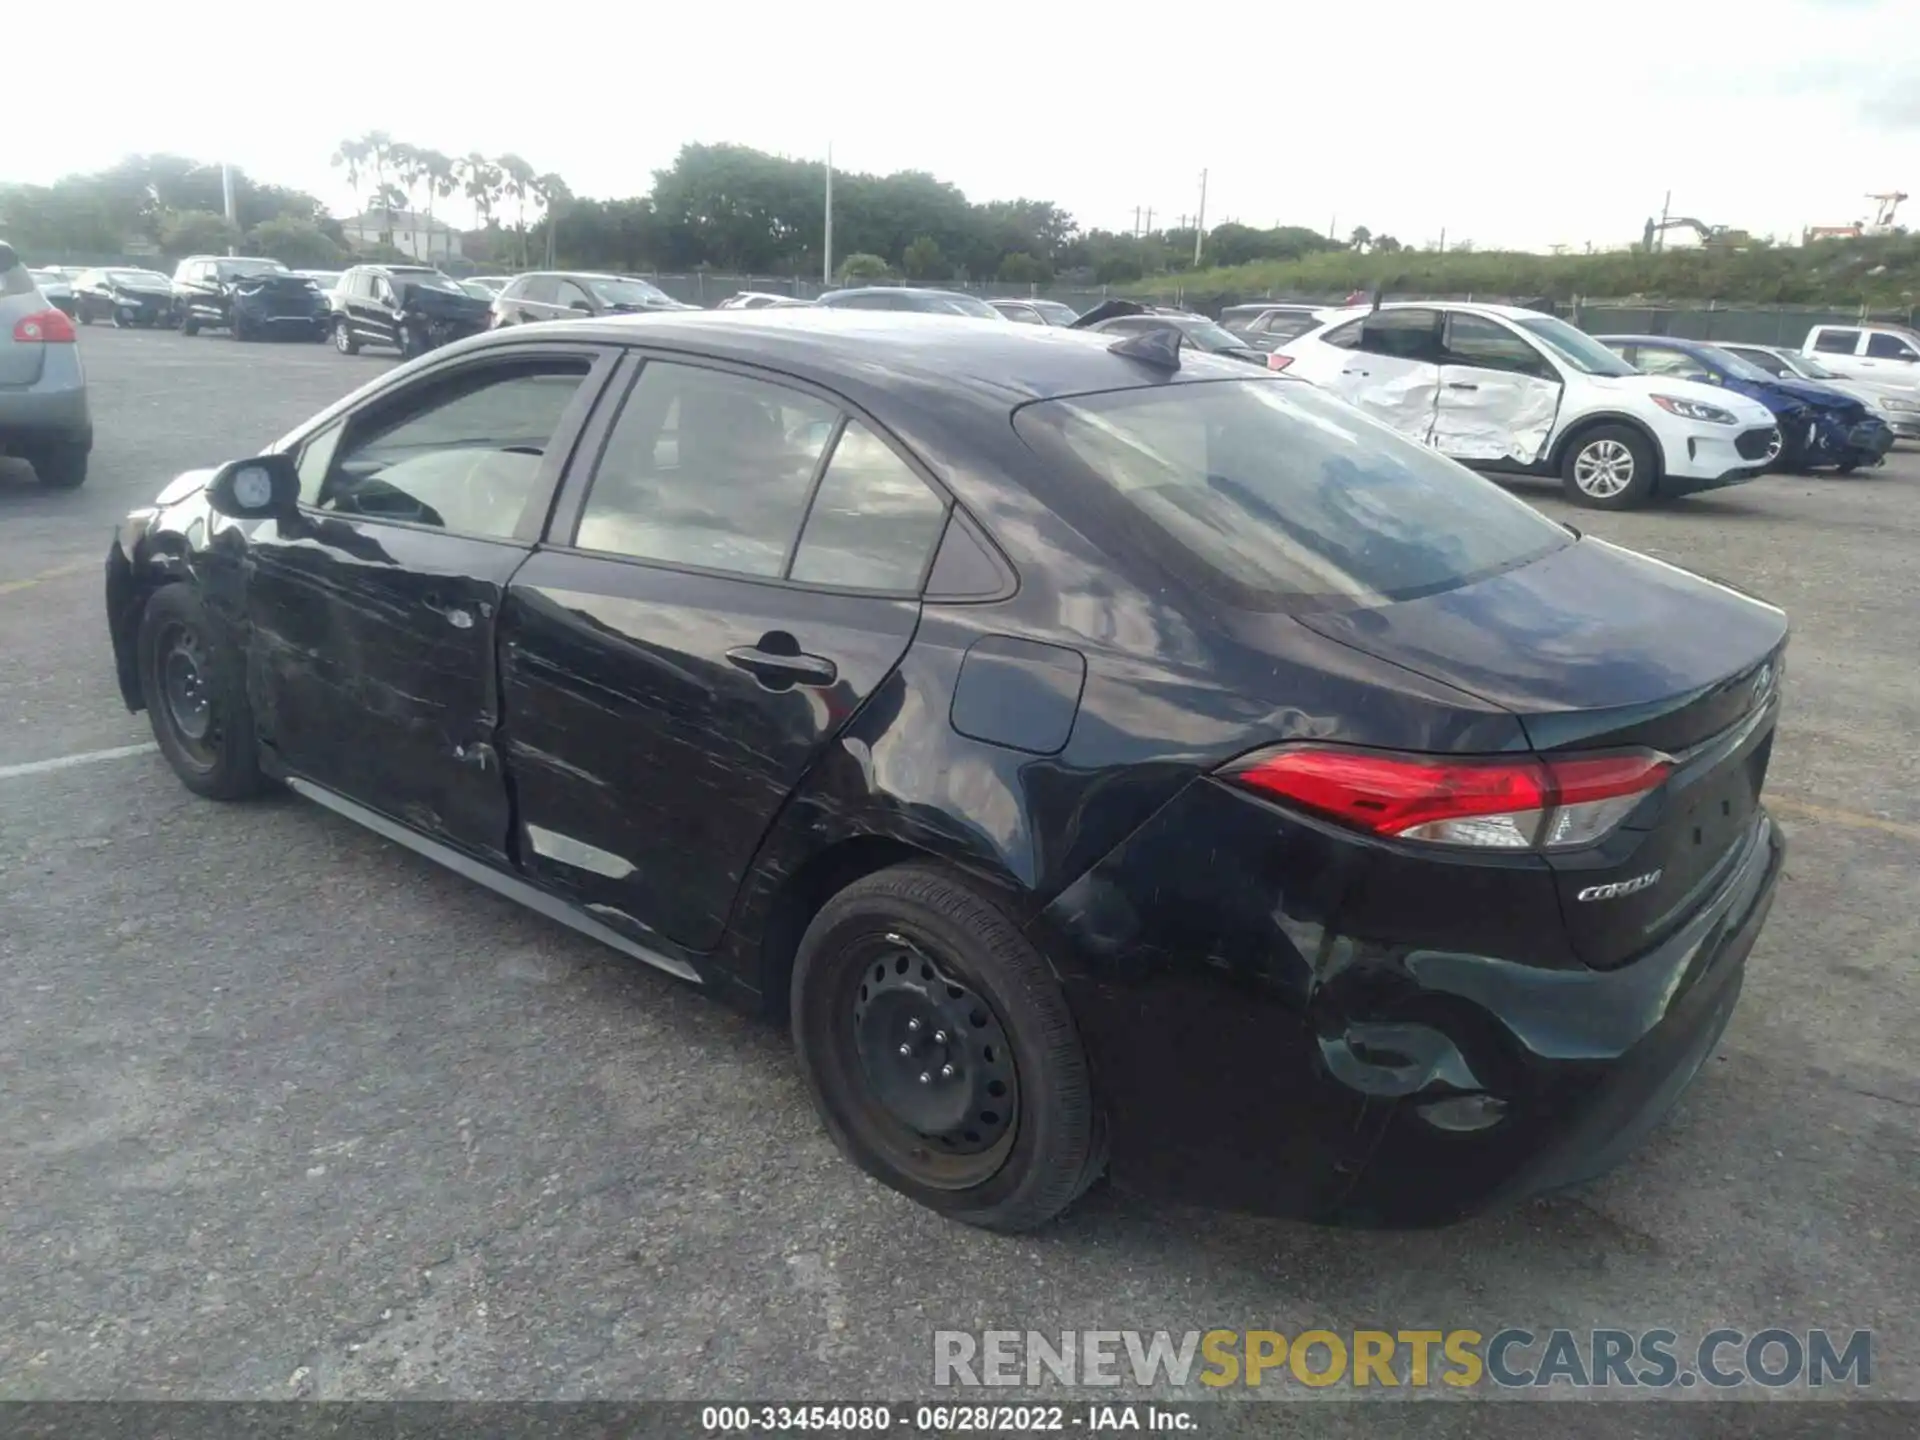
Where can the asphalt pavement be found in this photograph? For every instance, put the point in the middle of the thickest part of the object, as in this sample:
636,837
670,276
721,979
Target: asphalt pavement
287,1111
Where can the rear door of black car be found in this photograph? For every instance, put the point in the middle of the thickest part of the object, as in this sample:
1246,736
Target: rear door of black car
733,568
371,650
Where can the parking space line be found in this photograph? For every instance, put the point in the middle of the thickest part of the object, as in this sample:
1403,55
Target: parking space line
8,587
67,762
1850,819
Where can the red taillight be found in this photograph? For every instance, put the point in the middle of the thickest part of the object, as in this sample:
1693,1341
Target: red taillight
1277,361
49,327
1496,803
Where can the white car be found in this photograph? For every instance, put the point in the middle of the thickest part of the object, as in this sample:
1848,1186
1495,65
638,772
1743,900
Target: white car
1866,352
1514,391
1896,403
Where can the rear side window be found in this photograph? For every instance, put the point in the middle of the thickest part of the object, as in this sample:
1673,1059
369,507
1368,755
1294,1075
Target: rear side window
1403,334
873,523
1276,496
1836,342
707,469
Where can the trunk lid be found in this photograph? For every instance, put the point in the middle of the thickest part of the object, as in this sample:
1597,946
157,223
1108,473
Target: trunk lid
1597,648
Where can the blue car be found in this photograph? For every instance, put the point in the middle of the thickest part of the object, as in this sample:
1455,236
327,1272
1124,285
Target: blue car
1819,425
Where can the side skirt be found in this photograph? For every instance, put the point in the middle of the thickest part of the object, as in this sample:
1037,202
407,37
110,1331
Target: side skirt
510,886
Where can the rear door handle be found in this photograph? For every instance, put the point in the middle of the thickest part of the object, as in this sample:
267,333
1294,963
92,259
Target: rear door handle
776,662
457,616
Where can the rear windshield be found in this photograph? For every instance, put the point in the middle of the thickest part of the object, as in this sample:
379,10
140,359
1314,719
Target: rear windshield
1275,495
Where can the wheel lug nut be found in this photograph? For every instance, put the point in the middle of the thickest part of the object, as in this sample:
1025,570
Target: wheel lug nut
946,1071
925,1078
913,1026
939,1037
906,1049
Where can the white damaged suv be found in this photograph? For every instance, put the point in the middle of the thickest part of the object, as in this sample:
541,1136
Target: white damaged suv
1514,391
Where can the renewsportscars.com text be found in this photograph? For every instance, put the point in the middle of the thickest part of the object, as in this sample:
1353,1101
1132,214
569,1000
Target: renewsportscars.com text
1510,1358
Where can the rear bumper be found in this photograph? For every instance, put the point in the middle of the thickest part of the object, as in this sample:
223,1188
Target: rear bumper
1250,1057
52,409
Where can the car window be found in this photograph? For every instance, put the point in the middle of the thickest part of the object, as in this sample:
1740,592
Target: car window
879,301
1022,315
541,290
1343,337
1889,347
1836,342
873,522
1275,495
1659,360
316,459
383,289
565,292
706,468
1284,325
1486,345
461,452
1402,334
1765,359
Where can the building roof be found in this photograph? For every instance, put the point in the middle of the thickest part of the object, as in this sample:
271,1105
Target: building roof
396,220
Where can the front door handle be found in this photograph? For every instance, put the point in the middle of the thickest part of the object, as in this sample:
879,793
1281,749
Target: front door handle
1461,385
778,664
457,616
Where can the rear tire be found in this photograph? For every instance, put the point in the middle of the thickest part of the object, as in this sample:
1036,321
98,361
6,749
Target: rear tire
344,339
189,325
194,685
1609,467
911,967
60,466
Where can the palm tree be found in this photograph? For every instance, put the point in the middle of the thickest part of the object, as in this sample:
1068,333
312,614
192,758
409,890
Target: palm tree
553,194
518,185
480,183
436,169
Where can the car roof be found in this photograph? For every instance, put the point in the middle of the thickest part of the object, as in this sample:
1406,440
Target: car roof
937,363
1678,342
901,290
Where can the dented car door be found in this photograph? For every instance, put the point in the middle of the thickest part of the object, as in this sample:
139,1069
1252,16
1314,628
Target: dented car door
1392,367
373,617
1498,394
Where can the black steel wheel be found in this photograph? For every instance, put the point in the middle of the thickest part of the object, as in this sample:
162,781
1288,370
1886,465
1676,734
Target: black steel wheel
195,696
940,1052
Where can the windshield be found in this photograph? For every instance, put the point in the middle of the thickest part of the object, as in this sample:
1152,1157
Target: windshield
965,305
1276,493
48,277
1773,364
623,291
240,269
148,278
1737,366
1578,349
428,280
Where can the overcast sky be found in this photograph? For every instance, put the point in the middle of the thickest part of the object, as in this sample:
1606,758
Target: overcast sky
1522,124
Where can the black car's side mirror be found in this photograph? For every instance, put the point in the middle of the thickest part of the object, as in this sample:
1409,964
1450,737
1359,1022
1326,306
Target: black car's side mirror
261,487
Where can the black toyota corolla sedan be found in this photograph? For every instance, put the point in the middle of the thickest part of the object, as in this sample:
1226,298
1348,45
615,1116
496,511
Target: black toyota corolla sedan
1101,754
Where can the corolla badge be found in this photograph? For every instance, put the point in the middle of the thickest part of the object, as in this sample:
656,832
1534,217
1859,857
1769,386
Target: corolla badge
1620,887
1763,679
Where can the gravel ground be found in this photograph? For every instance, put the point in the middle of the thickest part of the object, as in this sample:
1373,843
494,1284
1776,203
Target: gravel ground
287,1111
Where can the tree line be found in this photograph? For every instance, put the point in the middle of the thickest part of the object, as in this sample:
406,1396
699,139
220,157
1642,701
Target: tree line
733,210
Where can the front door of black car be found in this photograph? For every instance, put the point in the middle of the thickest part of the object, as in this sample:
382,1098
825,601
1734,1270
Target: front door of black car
370,664
737,576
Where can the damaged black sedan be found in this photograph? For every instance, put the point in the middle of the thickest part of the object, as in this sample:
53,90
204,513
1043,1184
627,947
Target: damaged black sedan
251,298
1101,754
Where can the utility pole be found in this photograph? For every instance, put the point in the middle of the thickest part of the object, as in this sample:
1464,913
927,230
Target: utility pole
226,196
826,250
1149,229
1660,235
1443,239
1136,222
1200,221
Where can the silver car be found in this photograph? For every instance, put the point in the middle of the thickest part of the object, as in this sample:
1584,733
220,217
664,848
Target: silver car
44,418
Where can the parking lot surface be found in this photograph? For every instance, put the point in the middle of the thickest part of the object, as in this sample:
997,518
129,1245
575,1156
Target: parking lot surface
288,1111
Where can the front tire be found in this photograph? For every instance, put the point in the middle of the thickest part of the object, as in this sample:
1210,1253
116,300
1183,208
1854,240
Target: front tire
189,325
194,685
940,1052
1610,467
343,338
